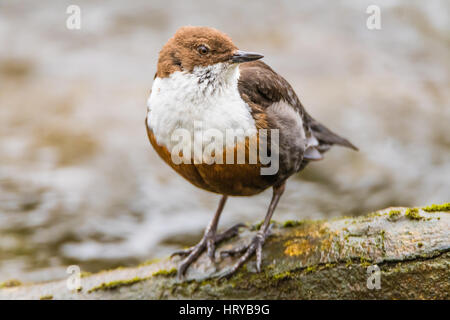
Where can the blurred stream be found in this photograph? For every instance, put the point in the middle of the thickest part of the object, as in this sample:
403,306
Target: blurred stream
80,184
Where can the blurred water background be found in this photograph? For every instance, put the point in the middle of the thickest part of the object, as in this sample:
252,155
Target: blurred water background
80,184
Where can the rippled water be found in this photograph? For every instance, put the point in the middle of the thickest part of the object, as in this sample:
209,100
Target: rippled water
79,182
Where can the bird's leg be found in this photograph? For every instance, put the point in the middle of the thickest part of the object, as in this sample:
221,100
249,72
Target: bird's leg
256,244
228,234
208,241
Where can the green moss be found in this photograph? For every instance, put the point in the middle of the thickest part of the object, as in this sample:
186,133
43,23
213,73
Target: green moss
283,275
348,263
374,214
117,283
437,207
364,262
165,273
394,215
209,281
307,270
257,226
413,214
291,223
85,274
240,275
244,278
46,297
310,269
149,262
10,283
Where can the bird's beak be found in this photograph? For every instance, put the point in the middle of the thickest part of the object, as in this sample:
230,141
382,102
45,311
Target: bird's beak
244,56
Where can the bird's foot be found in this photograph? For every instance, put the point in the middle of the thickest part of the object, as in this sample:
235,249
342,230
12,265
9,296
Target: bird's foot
208,242
255,246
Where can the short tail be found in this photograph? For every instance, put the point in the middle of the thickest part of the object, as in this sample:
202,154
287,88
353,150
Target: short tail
326,137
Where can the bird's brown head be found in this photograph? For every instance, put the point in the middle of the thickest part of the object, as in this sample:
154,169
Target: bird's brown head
192,47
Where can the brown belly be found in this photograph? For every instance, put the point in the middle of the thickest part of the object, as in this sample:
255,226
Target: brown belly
230,179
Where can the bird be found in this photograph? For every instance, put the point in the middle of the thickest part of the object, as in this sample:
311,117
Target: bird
204,82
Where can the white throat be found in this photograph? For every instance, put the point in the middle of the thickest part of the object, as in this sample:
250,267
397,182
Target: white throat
208,95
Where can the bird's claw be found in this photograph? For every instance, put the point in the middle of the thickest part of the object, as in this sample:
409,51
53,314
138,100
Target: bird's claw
208,243
254,247
183,252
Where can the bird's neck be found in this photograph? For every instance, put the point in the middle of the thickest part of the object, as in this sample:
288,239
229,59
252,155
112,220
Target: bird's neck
205,82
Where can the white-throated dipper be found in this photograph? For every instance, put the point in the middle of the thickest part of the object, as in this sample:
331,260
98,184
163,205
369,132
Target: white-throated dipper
205,88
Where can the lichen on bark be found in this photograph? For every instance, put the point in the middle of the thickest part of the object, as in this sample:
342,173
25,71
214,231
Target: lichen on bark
301,260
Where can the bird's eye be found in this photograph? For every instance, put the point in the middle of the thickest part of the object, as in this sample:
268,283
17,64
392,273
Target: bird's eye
202,49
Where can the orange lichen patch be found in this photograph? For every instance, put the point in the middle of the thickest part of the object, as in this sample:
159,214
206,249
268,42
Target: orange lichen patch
309,240
298,247
313,230
328,241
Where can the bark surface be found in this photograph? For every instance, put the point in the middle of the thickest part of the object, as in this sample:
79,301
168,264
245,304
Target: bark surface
407,250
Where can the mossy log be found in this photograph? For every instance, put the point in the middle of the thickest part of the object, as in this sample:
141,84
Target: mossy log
331,259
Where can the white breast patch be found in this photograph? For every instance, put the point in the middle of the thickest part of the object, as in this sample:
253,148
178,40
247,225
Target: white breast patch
208,95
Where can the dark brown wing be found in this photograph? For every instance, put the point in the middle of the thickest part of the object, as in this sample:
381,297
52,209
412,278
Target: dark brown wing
274,105
261,86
